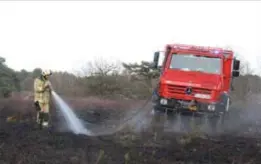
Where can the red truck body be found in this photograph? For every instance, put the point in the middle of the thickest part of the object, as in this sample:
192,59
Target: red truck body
195,75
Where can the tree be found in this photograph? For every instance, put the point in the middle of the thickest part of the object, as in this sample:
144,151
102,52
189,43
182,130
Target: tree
37,72
143,72
102,78
8,80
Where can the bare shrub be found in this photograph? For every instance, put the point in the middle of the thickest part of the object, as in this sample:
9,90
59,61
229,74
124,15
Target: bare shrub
67,84
105,79
143,75
101,67
115,80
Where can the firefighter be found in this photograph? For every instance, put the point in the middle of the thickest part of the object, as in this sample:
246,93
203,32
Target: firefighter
42,96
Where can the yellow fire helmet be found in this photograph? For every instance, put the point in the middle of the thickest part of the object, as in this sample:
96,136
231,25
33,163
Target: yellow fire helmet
46,72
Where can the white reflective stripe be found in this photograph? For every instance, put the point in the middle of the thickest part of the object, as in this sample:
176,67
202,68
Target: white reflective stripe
45,123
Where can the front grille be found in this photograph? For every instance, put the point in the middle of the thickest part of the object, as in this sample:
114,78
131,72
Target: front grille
176,89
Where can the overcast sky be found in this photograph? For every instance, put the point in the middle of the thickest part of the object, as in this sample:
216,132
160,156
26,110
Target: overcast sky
64,35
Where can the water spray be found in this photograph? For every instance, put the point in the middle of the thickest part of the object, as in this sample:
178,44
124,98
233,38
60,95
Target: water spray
73,122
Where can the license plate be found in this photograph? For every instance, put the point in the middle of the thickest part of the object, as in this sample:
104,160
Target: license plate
193,108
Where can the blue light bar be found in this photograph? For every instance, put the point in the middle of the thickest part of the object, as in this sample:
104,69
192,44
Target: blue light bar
216,52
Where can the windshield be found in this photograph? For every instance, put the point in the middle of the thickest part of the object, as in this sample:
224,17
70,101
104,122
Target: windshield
189,62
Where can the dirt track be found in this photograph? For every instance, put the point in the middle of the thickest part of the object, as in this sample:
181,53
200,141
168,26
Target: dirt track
21,142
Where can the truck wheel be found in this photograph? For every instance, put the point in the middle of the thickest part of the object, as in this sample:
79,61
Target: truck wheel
214,123
223,117
159,110
226,106
156,121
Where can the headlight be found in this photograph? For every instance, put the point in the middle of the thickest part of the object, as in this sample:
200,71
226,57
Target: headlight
164,101
211,107
202,96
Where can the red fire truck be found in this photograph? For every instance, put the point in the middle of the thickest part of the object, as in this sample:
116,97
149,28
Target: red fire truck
195,79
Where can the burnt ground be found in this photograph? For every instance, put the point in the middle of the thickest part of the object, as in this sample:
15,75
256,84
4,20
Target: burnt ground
22,142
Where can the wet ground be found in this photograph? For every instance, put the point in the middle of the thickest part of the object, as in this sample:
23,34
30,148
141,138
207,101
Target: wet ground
22,142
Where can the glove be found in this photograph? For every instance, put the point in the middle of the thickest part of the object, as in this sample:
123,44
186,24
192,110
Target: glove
37,106
48,85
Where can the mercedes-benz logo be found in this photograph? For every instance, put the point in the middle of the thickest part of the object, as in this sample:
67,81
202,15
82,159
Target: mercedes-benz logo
188,90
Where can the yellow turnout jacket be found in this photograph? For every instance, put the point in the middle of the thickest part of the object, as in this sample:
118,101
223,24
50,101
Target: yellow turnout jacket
40,94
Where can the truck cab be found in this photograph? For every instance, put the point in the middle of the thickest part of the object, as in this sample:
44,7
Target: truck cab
195,79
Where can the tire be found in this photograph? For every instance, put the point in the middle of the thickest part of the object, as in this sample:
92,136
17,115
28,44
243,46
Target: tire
159,109
157,123
225,105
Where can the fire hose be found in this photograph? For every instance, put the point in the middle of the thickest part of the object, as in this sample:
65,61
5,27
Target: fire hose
123,123
138,111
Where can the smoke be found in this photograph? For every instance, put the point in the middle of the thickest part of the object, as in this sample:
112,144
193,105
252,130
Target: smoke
72,121
138,120
246,120
133,120
240,121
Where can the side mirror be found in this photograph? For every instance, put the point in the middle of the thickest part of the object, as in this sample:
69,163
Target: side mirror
235,73
156,60
236,65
